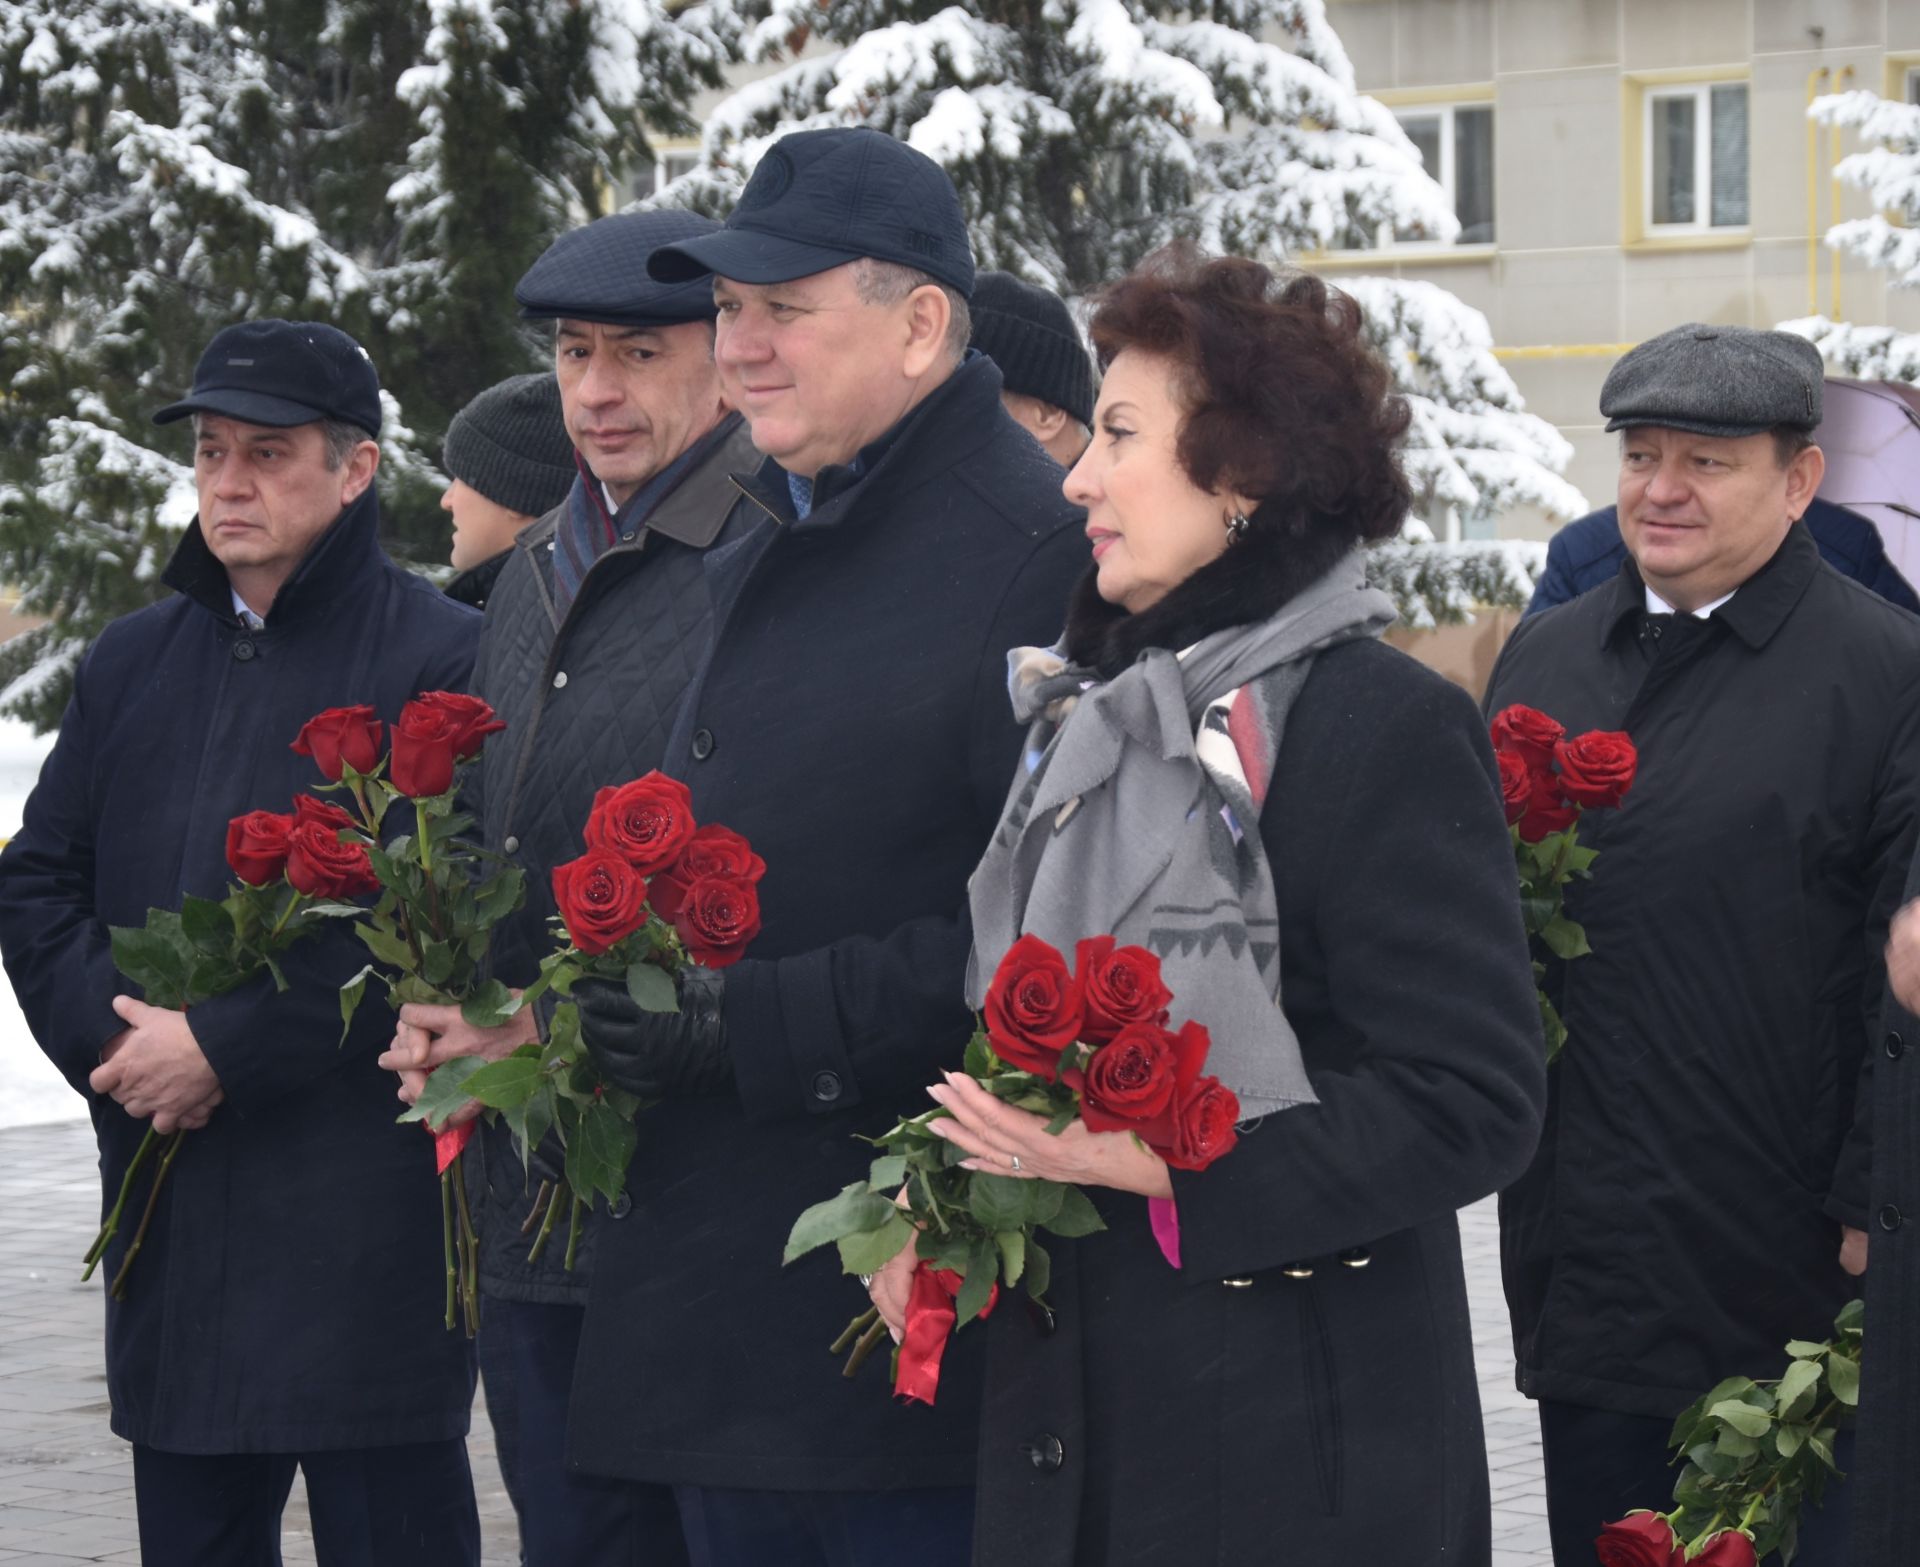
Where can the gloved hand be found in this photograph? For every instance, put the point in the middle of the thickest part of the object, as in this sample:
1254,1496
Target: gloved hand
658,1055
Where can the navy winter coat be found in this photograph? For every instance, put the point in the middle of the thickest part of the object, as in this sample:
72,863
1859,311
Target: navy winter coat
289,1295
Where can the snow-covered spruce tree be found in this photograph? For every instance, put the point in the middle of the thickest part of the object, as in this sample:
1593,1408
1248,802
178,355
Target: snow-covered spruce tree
1082,134
167,168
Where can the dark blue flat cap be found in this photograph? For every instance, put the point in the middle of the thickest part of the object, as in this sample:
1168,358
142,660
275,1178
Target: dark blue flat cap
1727,381
599,273
820,199
282,373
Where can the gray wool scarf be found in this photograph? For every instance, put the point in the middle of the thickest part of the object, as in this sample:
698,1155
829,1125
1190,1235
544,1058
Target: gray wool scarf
1138,815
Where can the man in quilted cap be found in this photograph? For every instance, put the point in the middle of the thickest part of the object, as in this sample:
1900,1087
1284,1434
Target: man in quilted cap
592,631
1701,1195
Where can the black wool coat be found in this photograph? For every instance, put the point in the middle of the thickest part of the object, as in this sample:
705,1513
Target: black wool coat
588,698
852,721
1302,1389
289,1296
1682,1219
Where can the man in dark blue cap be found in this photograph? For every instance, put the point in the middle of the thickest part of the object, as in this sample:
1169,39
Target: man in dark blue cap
286,1310
850,718
1701,1193
593,629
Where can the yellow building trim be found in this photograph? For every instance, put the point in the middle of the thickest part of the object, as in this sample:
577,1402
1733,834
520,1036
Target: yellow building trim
1719,239
1413,97
1399,256
1565,351
1894,81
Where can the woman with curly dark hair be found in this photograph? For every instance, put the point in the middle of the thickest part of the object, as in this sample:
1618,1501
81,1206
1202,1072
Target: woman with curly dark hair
1268,1360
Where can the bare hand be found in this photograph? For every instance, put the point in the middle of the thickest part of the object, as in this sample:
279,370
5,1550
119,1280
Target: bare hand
428,1035
997,1135
890,1288
154,1068
1853,1250
1903,957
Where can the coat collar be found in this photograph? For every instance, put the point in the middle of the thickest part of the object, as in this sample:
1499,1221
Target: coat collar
1758,608
333,567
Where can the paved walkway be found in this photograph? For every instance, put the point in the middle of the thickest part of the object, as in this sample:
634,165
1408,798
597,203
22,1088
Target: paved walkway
66,1482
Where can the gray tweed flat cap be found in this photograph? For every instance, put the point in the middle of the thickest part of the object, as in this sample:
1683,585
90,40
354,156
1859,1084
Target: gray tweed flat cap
1716,380
599,273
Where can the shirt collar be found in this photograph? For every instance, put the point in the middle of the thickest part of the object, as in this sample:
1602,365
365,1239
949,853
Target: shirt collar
253,621
1656,605
1753,612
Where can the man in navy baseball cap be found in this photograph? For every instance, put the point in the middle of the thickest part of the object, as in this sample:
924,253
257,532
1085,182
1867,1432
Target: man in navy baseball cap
282,373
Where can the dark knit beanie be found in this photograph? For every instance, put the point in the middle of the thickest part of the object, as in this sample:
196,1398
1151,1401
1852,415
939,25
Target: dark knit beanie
1029,333
511,444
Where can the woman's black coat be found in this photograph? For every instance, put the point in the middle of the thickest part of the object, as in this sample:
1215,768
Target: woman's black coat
1238,1410
289,1294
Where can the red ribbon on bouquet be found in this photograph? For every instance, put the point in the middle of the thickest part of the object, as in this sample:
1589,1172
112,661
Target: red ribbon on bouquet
450,1143
930,1319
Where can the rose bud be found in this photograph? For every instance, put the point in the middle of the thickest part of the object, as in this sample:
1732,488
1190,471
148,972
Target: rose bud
257,845
1121,985
341,734
712,851
1596,768
602,900
1204,1125
308,809
473,720
717,918
425,741
321,866
1033,1008
1528,731
1516,784
1129,1079
647,822
1637,1540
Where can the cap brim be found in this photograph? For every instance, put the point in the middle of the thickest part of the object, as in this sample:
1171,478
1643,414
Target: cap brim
744,256
537,311
1725,432
248,407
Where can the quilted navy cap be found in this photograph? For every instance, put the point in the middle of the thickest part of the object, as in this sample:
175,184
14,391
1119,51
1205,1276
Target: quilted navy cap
599,273
282,373
1716,380
819,199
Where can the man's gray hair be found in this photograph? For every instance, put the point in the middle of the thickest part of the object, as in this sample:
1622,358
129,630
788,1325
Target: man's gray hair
340,436
888,282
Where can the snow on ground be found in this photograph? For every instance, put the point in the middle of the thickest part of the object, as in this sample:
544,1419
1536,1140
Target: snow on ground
30,1089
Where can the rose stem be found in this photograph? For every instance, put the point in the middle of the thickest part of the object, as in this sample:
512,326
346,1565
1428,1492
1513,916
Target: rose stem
540,1200
173,1141
853,1330
573,1230
469,1249
864,1348
446,1239
546,1225
112,1227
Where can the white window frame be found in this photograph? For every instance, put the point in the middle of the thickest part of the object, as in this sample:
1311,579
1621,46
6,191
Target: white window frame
1445,177
1702,95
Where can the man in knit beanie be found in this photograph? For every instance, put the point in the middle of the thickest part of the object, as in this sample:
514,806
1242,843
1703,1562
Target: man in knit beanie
511,461
1044,365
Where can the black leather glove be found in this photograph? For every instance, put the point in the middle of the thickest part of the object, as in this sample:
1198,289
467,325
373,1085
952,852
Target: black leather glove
658,1055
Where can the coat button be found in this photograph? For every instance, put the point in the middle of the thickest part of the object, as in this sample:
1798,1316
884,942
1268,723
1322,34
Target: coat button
623,1205
511,845
1894,1044
1238,1284
826,1086
1044,1452
702,744
560,681
243,649
1354,1257
627,537
1889,1217
1298,1270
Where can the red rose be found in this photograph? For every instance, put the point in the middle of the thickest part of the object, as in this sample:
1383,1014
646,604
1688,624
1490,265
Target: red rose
257,846
473,720
647,822
341,734
602,899
716,918
307,809
1596,768
1121,986
1516,784
426,743
1033,1008
321,866
712,851
1528,731
1729,1548
1203,1126
1638,1540
1547,810
1129,1079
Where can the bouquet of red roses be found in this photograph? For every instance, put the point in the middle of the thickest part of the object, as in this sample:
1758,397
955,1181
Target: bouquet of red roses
1546,782
1092,1044
290,870
653,893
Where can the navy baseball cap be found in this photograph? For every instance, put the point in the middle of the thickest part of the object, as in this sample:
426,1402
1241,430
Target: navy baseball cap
282,373
599,273
819,199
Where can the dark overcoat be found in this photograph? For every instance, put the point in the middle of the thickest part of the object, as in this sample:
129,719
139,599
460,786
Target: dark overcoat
289,1295
1682,1219
852,721
1302,1388
588,696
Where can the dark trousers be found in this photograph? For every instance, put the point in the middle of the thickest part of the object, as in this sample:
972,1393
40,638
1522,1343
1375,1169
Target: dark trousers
1601,1466
566,1520
406,1506
927,1528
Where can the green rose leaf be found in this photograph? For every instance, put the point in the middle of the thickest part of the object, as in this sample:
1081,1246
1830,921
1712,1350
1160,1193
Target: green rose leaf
1794,1396
884,1174
599,1151
652,989
510,1083
207,925
1013,1255
1743,1418
445,1091
490,1005
1077,1215
868,1251
856,1210
983,1269
1843,1376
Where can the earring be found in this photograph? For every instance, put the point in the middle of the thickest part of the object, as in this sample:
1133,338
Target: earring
1236,527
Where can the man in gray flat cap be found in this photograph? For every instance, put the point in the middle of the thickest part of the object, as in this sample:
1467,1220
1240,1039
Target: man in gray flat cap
1701,1193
